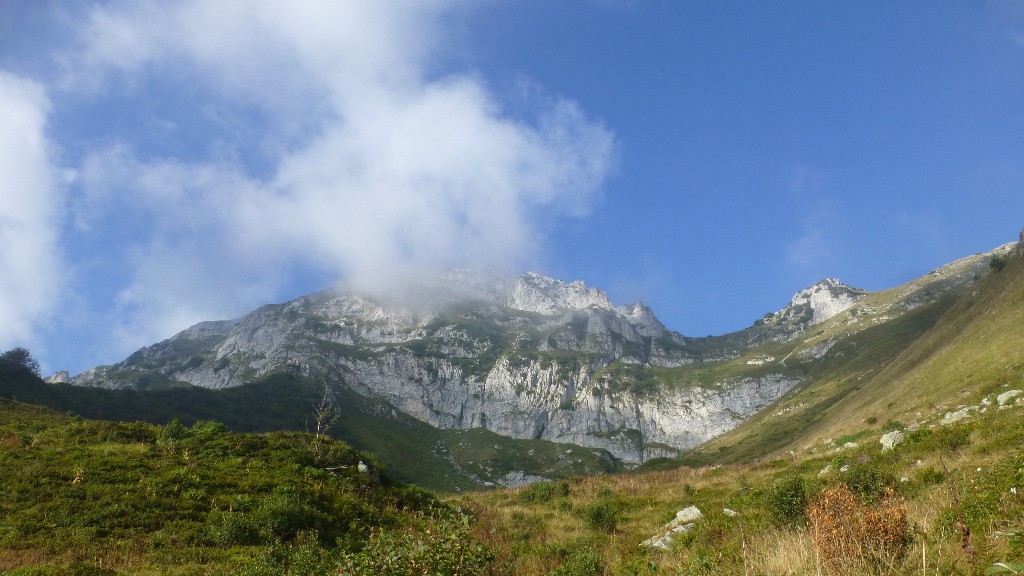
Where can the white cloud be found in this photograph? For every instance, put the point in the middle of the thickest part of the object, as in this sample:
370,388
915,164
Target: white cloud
30,213
383,162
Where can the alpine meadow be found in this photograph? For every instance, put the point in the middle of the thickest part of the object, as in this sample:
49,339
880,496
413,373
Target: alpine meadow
531,288
893,446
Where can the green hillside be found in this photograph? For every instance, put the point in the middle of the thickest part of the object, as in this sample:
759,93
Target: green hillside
411,451
805,487
89,497
937,358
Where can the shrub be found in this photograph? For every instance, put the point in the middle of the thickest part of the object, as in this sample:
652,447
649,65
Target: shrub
943,439
301,558
128,432
869,481
233,528
785,500
173,432
953,438
931,475
75,569
602,516
581,562
446,547
541,492
285,513
893,425
850,535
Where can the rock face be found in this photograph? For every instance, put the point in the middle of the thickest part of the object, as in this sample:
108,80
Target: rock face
809,307
528,357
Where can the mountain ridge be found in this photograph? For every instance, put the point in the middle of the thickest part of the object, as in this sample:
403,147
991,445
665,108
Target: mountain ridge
535,358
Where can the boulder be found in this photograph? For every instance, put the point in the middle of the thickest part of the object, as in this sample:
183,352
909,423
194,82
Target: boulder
951,417
664,540
890,440
684,521
688,514
1005,398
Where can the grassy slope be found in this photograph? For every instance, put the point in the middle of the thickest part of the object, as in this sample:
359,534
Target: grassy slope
959,474
794,420
91,497
962,485
412,451
933,358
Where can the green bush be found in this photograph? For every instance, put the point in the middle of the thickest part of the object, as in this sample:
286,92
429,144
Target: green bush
869,481
953,438
173,432
280,515
304,557
581,562
602,516
786,499
893,425
541,492
931,476
444,547
233,528
284,513
943,439
76,569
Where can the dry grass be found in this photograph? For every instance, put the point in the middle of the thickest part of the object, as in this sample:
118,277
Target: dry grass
782,553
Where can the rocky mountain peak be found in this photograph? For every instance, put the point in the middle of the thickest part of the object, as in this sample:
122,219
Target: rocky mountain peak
819,302
642,317
534,292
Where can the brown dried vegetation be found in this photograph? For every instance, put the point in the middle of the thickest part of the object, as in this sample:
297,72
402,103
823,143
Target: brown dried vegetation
850,535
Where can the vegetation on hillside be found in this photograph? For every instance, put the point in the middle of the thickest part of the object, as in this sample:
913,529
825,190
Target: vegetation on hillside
805,488
414,452
948,500
92,497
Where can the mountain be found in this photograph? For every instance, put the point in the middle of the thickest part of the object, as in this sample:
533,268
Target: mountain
901,443
947,343
532,358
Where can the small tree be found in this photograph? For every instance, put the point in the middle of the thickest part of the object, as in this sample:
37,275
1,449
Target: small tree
19,358
325,414
997,263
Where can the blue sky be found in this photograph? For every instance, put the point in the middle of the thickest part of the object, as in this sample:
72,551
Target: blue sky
163,163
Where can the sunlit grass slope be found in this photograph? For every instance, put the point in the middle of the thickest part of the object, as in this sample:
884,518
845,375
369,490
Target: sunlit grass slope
928,361
87,497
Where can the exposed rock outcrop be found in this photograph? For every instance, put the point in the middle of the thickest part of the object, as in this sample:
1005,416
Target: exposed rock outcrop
529,357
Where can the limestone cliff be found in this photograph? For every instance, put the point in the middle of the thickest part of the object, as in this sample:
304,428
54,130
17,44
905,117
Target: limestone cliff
529,357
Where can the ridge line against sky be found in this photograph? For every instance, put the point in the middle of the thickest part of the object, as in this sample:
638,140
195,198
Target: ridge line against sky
163,163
